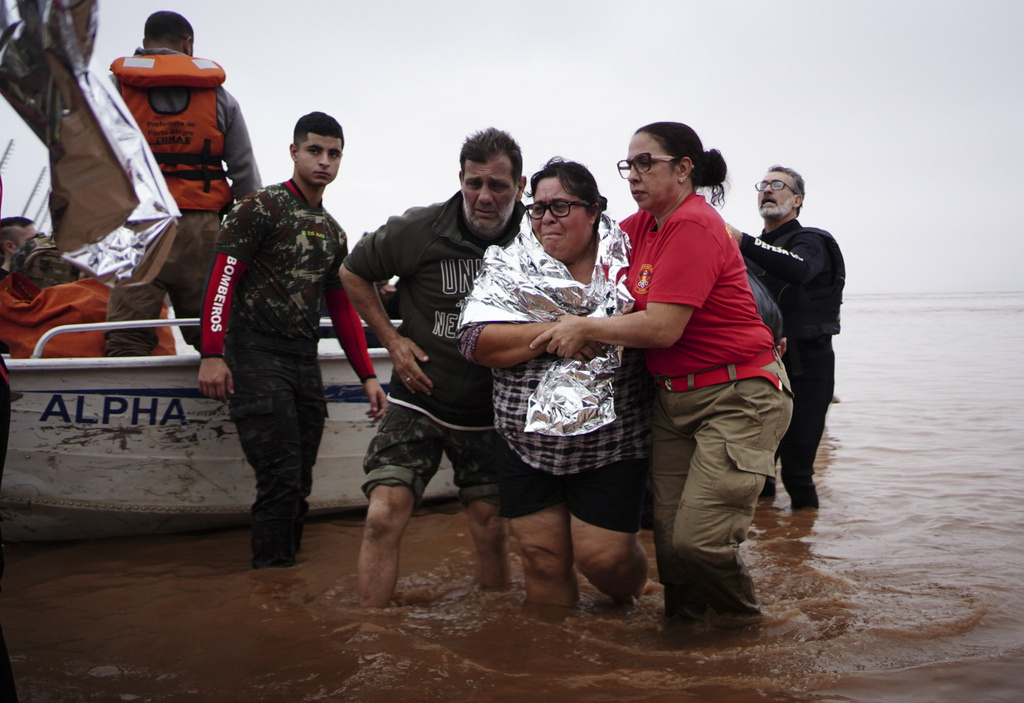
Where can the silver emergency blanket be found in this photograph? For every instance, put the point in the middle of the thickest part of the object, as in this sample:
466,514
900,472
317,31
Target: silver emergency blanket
112,213
521,283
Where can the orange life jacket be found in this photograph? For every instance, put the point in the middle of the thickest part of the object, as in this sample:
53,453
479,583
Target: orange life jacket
187,144
26,313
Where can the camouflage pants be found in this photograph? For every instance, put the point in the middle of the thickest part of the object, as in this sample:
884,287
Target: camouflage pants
279,410
407,449
182,277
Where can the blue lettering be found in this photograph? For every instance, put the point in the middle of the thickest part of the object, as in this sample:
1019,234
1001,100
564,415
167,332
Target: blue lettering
113,405
174,412
56,407
138,410
143,411
80,412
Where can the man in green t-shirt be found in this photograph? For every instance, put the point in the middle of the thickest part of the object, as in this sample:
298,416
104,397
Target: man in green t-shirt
439,402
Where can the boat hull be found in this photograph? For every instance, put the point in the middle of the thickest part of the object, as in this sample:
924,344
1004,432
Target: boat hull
113,447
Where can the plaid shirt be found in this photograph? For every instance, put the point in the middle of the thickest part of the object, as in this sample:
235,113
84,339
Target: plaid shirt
627,437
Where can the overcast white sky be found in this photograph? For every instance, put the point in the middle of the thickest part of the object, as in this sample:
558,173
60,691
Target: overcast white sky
905,117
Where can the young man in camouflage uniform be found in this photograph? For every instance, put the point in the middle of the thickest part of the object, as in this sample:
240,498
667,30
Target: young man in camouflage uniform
278,257
439,401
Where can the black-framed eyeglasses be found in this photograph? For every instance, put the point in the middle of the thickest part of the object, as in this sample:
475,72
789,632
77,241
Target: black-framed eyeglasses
774,185
559,208
641,163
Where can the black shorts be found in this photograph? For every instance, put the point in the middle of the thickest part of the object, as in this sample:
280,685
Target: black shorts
609,497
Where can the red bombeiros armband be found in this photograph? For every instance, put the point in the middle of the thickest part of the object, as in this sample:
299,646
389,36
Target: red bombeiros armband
350,332
217,307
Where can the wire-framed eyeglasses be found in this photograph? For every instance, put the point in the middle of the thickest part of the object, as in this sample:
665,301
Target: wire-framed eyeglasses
559,208
641,163
774,185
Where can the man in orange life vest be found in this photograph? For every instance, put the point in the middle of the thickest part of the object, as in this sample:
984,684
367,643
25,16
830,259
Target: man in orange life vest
192,125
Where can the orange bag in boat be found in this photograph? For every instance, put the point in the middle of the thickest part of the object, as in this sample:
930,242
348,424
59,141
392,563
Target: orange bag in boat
26,313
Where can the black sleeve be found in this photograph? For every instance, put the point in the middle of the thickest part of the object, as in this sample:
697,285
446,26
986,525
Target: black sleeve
767,308
806,257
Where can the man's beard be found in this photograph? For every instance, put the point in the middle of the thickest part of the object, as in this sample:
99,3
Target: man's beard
488,231
775,211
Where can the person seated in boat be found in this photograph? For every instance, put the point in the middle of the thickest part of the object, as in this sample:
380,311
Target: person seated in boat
41,262
14,231
572,492
439,401
278,257
43,292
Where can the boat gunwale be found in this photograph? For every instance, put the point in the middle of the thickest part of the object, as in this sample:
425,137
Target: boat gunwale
114,362
185,356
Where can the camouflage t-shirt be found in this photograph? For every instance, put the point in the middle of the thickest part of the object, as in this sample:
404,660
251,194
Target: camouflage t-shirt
292,252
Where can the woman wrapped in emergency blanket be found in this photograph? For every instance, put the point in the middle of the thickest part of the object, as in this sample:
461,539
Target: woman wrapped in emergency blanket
576,431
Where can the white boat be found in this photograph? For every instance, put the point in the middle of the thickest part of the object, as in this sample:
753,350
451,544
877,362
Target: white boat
105,447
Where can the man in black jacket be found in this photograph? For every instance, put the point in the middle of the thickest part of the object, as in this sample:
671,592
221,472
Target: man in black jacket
803,269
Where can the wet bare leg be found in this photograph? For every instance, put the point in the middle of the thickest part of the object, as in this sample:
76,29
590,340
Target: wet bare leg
615,562
386,520
490,538
546,546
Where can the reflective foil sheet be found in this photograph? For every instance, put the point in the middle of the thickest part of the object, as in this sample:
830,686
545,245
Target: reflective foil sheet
521,283
112,213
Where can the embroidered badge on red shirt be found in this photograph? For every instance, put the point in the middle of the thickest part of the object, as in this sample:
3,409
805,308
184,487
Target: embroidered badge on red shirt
643,281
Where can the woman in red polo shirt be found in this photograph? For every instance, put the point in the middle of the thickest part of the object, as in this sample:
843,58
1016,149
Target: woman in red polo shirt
724,400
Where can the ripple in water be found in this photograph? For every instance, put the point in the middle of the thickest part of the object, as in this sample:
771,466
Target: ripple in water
905,586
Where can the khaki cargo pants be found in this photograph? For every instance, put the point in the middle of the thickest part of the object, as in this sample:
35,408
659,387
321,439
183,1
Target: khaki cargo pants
712,449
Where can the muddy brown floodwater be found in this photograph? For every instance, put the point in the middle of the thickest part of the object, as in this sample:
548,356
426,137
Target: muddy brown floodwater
182,617
905,586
